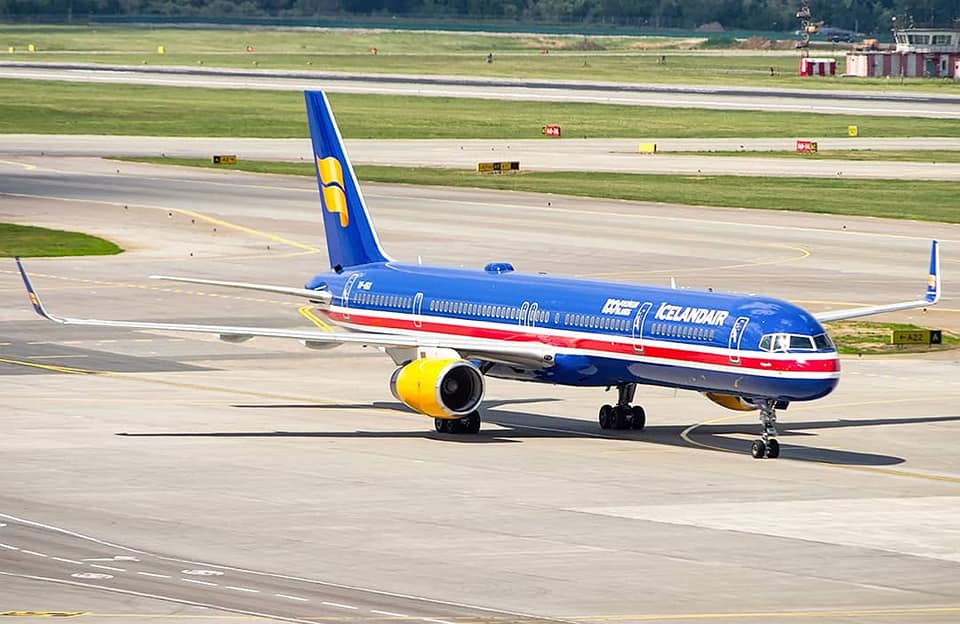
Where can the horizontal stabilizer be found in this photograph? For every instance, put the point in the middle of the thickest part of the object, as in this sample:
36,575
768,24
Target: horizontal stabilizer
321,296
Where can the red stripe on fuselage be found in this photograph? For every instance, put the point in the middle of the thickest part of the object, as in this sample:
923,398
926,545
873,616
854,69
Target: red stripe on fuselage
429,324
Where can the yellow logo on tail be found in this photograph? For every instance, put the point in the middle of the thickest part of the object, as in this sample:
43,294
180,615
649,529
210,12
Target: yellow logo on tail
331,182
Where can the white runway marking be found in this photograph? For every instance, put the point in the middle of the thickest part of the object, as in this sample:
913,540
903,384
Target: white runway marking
291,597
92,575
389,613
31,552
103,567
9,547
338,605
202,572
195,581
65,560
154,575
239,589
436,621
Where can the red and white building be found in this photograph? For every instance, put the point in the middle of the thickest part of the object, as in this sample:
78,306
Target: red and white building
920,53
818,66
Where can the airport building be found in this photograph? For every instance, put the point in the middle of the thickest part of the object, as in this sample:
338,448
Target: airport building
920,53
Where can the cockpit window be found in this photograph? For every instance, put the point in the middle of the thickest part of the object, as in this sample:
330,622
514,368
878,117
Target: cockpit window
822,341
802,343
795,342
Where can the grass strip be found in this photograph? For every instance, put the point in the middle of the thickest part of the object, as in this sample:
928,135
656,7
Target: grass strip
869,338
895,199
51,107
623,59
29,241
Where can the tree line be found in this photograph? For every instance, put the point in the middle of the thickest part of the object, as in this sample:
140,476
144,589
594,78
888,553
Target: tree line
868,16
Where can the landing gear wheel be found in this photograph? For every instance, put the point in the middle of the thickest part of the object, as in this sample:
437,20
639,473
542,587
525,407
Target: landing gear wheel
773,449
473,423
442,425
607,417
638,418
758,450
622,416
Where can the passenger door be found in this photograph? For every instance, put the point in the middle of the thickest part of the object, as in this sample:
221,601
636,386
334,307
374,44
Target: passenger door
736,335
638,320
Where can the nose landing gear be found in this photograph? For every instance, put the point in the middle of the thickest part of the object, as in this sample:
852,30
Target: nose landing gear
624,415
767,445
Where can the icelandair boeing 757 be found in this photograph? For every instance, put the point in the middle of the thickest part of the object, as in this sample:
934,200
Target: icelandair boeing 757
447,329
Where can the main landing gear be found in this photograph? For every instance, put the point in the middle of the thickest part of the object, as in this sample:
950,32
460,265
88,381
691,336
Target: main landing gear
467,424
624,415
767,445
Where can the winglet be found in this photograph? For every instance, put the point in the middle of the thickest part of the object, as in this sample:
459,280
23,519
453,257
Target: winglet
933,281
34,298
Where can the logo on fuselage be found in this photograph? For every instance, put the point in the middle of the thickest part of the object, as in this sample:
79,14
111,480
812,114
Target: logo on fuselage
331,182
685,314
620,307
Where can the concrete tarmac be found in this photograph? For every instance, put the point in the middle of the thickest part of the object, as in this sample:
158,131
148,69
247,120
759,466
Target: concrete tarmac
296,475
608,155
825,101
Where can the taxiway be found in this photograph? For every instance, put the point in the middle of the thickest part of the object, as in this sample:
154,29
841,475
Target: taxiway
217,481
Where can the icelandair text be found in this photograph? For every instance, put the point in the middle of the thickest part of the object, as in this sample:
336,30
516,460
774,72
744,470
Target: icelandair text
700,316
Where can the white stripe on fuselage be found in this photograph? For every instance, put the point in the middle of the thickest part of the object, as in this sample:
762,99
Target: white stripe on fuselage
612,338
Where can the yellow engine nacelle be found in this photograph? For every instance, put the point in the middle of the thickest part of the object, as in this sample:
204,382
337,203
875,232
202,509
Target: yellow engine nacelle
731,401
438,387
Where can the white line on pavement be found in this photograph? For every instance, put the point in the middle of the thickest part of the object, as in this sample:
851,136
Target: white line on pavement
338,605
291,597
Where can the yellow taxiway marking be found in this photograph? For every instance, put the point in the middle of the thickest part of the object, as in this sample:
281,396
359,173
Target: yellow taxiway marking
307,313
735,215
768,615
190,213
26,166
246,230
686,434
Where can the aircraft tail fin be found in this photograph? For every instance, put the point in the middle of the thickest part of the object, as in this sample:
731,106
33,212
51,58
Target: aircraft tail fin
351,239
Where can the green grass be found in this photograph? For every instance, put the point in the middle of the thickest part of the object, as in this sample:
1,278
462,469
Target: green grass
28,241
868,338
896,199
619,59
74,108
931,156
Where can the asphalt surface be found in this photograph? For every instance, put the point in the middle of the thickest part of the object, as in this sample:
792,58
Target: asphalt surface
677,96
165,459
568,154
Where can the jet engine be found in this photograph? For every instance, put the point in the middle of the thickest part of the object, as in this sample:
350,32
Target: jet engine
731,401
439,387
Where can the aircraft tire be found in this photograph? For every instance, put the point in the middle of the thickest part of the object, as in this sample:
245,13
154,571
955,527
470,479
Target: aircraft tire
773,449
621,416
607,417
473,423
441,425
638,418
758,450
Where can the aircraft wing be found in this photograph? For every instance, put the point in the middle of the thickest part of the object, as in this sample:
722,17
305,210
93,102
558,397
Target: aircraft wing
931,297
522,355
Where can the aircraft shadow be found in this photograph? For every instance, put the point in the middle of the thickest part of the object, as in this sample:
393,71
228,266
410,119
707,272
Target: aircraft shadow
516,426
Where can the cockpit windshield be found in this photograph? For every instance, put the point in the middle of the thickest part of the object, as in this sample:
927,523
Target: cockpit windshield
795,342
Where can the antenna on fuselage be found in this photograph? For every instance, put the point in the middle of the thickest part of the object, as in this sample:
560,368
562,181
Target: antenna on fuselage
673,283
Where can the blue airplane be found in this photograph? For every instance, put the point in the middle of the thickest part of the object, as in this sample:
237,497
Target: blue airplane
447,329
